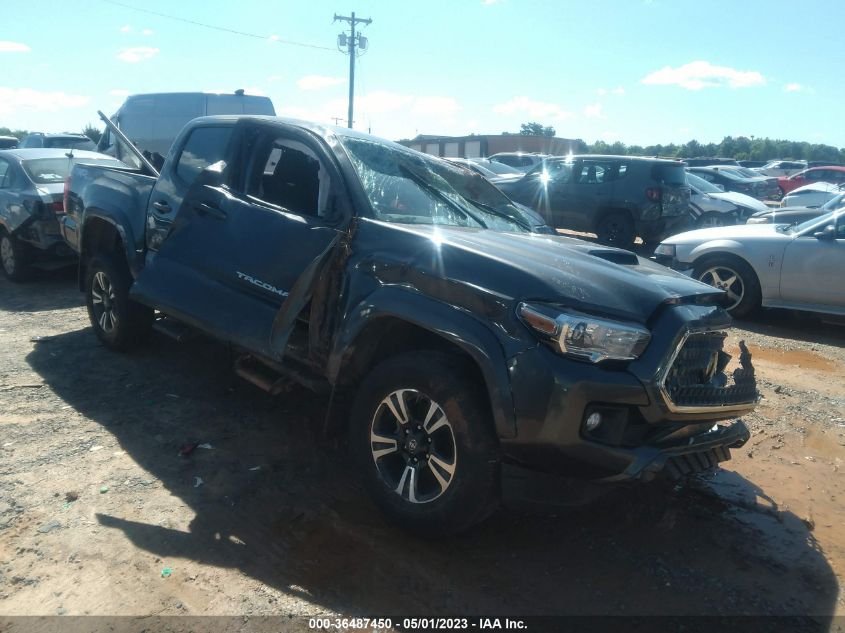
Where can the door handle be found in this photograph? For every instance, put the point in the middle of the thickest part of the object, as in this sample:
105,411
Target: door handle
205,208
161,206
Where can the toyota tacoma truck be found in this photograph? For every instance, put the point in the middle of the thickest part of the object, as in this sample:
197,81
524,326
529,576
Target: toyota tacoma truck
459,349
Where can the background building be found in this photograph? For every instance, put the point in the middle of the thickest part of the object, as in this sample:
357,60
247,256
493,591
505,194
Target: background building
488,144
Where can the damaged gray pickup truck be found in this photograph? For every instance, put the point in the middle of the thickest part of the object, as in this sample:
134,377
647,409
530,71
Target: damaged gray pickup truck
470,351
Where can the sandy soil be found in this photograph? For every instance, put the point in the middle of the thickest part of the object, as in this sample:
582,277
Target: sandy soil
97,505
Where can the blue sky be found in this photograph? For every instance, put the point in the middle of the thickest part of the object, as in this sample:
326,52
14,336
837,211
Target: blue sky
640,71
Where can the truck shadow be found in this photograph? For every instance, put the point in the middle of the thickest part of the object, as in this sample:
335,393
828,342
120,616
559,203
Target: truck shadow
44,291
280,504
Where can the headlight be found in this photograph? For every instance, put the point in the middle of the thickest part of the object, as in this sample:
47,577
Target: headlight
667,250
586,337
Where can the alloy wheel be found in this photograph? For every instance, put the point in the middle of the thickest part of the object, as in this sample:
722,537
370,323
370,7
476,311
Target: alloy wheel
103,298
7,255
413,446
726,279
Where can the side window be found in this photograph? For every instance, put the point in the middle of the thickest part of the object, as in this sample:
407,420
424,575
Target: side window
205,146
287,174
525,161
593,172
560,172
4,173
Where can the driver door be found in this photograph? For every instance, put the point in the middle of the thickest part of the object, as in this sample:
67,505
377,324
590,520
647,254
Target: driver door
812,269
244,235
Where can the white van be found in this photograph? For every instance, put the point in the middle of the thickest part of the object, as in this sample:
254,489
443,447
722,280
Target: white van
152,121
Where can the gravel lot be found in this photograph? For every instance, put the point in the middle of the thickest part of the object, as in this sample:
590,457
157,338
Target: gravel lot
99,513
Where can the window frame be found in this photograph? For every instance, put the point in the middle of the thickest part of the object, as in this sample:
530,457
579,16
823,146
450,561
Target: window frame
227,152
338,198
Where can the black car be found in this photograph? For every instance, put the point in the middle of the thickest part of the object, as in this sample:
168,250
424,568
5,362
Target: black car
8,142
455,348
615,197
796,215
741,180
751,164
58,141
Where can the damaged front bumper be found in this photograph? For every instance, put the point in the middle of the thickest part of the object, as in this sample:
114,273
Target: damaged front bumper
672,412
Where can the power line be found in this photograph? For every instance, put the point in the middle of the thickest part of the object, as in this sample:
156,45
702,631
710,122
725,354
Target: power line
217,28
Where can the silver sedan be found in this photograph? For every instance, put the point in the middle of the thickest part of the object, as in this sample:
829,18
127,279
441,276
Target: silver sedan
771,265
31,186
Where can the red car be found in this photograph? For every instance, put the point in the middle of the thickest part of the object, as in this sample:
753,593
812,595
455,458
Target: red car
832,174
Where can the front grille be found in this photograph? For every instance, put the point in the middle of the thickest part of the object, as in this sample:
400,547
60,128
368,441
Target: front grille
699,376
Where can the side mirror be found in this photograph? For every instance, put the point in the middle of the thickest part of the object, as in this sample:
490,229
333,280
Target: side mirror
827,233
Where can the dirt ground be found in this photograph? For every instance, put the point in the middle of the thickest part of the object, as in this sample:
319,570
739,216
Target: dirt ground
99,513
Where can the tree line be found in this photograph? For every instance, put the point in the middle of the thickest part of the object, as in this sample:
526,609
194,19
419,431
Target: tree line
740,147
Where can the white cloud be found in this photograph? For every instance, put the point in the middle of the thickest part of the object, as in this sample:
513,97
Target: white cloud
147,32
793,87
612,91
700,74
391,114
125,28
119,92
594,111
273,38
435,106
13,47
537,109
137,54
26,99
318,82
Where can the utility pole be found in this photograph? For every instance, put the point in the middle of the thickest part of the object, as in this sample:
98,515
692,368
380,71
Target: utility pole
351,42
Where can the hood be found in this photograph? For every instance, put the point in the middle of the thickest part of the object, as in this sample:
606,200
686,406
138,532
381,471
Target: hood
740,199
816,186
514,267
778,211
738,231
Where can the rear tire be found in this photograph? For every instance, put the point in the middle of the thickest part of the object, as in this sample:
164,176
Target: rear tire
616,229
420,436
118,322
14,258
734,276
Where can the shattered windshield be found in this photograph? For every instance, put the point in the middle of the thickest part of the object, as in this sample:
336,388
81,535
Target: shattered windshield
408,187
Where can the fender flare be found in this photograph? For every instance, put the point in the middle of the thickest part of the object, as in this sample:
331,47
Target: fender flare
456,327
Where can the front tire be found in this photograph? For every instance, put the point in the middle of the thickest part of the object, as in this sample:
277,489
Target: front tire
13,258
421,438
735,277
118,322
